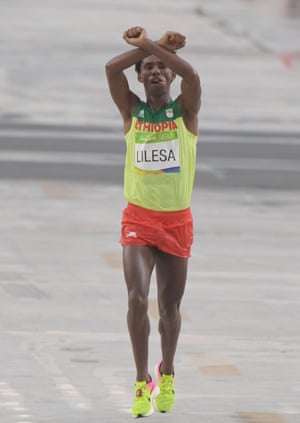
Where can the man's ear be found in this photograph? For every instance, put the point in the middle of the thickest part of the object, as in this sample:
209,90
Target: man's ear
173,76
139,77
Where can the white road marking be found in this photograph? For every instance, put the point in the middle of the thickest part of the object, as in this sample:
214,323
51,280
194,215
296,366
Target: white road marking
70,135
243,275
61,157
111,378
12,401
70,392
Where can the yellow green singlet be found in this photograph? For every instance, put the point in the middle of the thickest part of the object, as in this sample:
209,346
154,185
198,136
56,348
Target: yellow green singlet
160,159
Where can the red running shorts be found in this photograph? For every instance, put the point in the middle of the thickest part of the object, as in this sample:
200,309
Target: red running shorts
171,232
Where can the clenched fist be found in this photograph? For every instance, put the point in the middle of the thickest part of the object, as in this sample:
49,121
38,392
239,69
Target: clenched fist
172,40
135,36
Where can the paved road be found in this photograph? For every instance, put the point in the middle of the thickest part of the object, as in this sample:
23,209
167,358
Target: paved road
65,354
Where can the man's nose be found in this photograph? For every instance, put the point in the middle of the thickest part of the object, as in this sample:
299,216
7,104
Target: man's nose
155,70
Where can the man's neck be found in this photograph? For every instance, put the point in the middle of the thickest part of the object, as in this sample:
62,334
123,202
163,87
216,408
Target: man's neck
158,102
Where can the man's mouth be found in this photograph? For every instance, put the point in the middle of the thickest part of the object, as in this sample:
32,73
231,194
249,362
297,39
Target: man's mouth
157,81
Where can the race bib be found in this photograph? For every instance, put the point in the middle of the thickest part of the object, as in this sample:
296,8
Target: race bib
156,153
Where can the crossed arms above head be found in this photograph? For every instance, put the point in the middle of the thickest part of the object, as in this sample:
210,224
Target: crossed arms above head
125,99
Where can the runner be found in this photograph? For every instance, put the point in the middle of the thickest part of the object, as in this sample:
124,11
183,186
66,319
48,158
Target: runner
157,224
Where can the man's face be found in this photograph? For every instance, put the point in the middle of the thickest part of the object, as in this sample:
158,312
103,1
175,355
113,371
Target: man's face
155,76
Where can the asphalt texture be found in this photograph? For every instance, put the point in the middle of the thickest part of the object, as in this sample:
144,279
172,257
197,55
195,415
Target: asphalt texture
65,354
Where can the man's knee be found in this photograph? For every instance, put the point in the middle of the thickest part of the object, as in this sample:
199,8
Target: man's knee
137,303
169,312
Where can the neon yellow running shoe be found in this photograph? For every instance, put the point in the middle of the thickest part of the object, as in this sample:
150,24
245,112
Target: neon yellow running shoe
144,394
165,400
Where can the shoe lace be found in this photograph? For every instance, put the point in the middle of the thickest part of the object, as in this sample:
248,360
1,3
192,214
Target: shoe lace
167,385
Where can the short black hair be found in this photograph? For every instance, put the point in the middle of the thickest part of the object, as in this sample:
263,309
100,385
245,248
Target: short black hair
138,65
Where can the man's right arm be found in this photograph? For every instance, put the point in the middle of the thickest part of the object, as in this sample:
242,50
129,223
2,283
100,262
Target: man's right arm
120,92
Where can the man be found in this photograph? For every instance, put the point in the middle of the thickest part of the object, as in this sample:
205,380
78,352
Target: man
157,226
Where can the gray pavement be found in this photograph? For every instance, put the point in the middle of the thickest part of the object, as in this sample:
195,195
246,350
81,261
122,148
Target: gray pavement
65,354
64,349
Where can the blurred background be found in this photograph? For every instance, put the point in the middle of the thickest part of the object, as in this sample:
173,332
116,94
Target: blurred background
64,350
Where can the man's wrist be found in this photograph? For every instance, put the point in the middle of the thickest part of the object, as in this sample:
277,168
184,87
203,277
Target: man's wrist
161,44
146,44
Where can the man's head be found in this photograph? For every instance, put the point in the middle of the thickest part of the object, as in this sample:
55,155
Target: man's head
137,66
154,74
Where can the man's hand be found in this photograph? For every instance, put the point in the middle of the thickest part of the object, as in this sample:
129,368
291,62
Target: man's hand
172,40
135,36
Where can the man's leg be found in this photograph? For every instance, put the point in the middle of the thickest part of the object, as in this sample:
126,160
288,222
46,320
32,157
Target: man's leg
138,263
171,278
